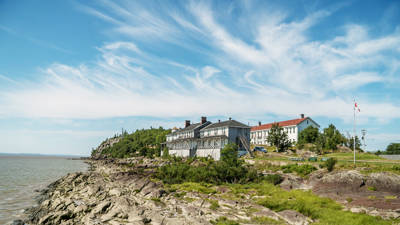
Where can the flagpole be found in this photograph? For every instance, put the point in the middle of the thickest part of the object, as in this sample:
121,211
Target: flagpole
354,132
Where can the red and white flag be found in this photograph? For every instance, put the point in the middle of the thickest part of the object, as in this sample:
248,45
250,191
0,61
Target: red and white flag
356,107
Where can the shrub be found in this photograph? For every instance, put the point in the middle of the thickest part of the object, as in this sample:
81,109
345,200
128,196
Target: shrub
396,167
330,164
229,169
214,204
165,153
371,188
273,179
302,170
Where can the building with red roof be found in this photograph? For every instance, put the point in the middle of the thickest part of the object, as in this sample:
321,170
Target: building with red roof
259,134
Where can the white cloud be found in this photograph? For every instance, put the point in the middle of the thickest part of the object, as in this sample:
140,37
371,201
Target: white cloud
350,81
276,69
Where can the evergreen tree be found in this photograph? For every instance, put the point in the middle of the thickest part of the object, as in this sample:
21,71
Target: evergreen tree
278,138
350,143
332,138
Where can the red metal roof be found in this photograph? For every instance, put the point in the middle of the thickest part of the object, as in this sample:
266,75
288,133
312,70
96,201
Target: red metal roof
281,124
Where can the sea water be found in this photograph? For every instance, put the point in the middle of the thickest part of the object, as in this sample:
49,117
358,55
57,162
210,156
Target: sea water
21,176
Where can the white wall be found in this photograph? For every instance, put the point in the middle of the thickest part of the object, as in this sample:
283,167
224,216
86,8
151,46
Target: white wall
181,153
215,153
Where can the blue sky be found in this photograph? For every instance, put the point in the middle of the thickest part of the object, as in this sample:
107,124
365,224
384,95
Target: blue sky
75,72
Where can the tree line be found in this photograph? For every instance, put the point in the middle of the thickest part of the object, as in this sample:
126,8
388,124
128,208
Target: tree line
144,142
329,139
391,149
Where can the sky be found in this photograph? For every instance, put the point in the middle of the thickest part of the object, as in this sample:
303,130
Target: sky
73,73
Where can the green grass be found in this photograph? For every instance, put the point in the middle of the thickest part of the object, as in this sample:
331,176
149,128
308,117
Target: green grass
370,167
195,187
302,170
390,197
371,188
223,221
359,156
214,204
180,194
323,210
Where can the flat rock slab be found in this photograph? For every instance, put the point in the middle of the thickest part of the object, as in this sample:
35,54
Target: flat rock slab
295,218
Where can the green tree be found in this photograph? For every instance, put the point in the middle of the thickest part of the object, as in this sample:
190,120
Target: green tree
145,142
229,154
330,164
332,137
350,143
308,135
393,149
278,138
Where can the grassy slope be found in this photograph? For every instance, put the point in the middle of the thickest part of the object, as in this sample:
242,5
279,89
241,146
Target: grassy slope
371,162
322,210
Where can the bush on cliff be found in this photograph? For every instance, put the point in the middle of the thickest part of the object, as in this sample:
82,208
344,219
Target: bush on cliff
329,164
302,170
229,169
145,142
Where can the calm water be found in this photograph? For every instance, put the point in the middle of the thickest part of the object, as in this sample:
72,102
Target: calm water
21,175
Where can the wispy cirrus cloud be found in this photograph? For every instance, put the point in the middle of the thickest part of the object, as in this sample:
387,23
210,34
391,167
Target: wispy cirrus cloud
185,60
35,41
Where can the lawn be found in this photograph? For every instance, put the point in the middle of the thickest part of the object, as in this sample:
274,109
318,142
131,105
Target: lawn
359,156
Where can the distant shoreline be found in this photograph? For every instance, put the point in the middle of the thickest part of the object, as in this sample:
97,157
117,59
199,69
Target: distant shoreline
43,155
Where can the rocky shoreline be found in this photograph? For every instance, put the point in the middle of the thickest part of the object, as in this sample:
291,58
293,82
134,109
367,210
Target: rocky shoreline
123,192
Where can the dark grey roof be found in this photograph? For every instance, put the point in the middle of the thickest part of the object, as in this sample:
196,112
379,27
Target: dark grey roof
193,126
227,123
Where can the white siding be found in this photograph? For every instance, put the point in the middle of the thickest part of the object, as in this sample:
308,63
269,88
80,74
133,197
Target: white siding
259,137
181,153
214,153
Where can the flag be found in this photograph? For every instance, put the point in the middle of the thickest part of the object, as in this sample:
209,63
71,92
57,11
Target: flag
356,107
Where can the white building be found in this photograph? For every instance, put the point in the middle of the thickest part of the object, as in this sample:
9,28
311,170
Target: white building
207,139
259,134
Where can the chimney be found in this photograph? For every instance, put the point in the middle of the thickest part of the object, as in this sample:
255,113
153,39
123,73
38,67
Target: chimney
259,123
230,118
187,123
203,119
302,116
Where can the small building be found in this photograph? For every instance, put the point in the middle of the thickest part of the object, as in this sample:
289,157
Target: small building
183,142
293,127
207,139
